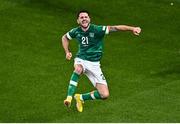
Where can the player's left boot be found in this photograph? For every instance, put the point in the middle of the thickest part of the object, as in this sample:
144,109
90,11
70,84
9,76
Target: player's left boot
67,101
79,102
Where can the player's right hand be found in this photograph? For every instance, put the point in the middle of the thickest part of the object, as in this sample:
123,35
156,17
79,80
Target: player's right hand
68,55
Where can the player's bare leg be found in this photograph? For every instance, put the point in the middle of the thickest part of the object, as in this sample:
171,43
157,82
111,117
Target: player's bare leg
103,90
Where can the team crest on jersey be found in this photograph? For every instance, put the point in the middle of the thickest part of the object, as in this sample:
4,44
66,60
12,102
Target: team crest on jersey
91,34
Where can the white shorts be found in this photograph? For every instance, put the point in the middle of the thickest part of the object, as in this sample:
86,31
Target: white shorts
92,70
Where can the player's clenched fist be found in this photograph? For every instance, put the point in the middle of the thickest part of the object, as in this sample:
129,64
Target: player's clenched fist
68,55
137,30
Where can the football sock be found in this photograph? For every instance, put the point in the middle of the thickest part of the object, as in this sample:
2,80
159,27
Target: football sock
73,84
91,96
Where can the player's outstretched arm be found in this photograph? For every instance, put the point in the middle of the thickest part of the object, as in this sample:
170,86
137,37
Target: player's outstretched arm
65,44
135,30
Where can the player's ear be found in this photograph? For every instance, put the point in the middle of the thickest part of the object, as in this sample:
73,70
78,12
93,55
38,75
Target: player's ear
77,21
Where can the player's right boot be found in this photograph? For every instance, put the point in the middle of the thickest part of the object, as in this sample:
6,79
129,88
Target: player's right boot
79,102
67,101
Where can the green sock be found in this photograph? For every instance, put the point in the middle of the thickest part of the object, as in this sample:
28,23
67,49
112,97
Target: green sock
73,84
91,95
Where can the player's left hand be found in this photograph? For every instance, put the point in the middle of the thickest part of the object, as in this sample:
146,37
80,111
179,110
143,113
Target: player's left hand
136,30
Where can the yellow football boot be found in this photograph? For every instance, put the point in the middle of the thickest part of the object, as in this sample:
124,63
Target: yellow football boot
79,102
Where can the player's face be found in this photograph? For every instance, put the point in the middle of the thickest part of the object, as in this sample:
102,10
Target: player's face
83,20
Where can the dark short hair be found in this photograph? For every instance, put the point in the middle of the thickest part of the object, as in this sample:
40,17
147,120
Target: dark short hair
82,11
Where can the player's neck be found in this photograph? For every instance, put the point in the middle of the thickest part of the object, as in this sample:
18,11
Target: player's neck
85,29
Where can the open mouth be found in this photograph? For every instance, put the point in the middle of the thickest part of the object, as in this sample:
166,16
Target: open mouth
84,22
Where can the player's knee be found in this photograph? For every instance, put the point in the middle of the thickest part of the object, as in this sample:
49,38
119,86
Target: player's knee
78,69
104,95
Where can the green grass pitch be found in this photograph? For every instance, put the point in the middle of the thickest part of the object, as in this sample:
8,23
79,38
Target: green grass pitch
143,73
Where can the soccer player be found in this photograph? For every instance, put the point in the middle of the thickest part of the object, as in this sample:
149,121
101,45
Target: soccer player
87,60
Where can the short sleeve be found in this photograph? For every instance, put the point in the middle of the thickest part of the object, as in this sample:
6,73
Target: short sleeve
71,34
106,29
103,30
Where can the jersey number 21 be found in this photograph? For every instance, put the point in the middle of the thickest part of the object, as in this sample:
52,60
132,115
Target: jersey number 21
85,40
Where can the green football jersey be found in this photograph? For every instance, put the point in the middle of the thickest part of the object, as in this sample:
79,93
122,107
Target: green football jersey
90,41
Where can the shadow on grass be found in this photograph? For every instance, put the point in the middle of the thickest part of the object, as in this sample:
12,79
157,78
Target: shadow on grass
174,70
60,7
55,6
